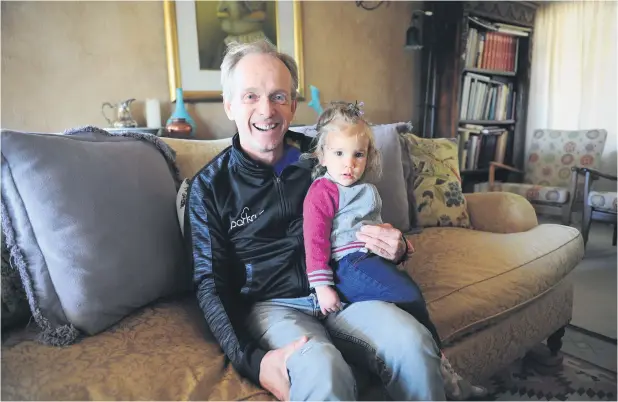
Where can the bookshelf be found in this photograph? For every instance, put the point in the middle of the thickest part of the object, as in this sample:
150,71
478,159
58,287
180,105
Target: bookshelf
482,55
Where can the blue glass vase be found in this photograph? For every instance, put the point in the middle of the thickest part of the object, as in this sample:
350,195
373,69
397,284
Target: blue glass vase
181,112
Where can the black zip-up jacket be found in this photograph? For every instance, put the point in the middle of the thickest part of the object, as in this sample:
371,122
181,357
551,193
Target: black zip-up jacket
245,237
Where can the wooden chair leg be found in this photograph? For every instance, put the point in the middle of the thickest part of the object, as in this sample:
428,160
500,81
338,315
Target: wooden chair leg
566,214
586,222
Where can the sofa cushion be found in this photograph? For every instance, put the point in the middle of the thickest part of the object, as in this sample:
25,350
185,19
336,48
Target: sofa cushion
437,184
558,195
90,219
603,200
163,352
471,278
391,185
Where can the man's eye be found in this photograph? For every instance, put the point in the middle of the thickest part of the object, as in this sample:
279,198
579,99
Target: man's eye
339,153
250,97
279,98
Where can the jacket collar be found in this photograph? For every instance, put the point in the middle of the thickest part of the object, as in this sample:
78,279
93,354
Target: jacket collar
246,163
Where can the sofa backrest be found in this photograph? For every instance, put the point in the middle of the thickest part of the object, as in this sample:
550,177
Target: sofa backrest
193,155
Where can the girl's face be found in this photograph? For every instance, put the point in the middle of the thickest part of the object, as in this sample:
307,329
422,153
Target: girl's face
345,153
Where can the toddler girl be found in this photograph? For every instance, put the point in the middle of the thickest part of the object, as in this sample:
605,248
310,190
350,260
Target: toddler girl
339,202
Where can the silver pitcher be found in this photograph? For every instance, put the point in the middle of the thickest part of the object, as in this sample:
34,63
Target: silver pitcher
123,114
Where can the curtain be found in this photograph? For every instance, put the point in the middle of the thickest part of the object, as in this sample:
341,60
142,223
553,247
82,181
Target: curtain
574,69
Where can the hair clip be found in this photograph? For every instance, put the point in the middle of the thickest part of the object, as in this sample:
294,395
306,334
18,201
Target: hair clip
356,108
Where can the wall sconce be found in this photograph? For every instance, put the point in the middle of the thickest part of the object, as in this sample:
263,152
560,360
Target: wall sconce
413,34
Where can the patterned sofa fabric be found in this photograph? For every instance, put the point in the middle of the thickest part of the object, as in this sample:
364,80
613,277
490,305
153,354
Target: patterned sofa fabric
603,200
161,353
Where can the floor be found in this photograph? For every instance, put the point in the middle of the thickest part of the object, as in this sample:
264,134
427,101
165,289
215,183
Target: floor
592,334
590,348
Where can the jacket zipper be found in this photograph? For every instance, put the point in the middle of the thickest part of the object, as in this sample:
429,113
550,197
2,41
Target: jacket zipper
303,281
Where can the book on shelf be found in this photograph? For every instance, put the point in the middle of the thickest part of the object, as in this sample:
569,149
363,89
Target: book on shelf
480,145
487,98
493,49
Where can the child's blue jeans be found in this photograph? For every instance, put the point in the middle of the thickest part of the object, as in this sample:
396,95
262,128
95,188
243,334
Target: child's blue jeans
366,276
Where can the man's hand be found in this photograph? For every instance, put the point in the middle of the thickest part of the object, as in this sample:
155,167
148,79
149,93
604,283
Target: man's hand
274,371
383,240
328,299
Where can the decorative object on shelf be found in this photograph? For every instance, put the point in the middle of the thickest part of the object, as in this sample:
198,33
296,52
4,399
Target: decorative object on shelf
178,127
181,112
153,113
123,114
413,35
315,103
197,33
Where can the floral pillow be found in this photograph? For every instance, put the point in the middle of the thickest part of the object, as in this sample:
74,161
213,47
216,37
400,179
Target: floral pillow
437,183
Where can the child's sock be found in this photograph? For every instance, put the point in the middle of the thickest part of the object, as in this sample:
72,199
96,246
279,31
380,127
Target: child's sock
457,388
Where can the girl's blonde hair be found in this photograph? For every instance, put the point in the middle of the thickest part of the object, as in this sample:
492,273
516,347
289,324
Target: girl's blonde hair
335,114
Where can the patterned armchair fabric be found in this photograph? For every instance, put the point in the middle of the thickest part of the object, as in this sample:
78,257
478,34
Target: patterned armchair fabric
552,153
604,200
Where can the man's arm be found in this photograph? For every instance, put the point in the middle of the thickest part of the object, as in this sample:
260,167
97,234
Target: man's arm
209,249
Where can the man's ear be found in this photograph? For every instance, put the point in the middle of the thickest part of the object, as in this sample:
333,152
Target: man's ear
227,106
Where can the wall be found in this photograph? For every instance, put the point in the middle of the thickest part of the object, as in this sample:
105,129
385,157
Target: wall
61,60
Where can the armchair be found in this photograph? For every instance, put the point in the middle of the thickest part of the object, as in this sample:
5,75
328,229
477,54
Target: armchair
598,205
547,178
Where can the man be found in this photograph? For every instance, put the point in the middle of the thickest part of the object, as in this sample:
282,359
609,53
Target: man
243,225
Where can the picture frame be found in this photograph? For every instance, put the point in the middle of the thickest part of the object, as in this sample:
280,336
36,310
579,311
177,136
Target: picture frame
189,27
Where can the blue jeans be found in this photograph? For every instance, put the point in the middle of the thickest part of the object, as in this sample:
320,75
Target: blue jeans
365,276
375,335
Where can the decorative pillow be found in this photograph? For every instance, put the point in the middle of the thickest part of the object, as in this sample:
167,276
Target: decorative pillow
391,186
90,221
437,184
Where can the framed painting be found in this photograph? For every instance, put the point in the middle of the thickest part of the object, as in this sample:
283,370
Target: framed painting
197,33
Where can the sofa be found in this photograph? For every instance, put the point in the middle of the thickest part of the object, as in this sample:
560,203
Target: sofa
495,291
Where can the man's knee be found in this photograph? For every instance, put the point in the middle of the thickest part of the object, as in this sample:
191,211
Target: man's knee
320,367
412,340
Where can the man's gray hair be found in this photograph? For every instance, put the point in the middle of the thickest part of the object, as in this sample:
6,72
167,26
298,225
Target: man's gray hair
236,51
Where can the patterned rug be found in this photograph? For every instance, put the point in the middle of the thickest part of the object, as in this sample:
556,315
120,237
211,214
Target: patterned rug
577,381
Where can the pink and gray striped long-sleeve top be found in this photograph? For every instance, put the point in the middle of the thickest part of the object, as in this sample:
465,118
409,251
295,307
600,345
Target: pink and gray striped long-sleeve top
332,214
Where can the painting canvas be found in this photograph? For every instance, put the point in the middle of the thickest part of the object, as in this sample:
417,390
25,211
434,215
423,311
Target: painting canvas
197,33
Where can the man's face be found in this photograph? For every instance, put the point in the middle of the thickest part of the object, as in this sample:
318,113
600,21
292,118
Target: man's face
261,103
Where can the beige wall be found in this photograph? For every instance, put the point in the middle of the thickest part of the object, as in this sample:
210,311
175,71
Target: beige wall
61,60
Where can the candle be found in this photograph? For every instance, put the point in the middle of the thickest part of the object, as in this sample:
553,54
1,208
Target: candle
153,113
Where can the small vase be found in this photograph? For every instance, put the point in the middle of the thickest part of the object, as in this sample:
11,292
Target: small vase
181,113
178,128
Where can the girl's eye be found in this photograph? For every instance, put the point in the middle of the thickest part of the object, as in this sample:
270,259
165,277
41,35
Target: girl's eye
338,153
359,154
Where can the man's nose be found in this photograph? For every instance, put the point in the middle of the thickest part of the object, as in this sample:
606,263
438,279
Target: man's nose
265,107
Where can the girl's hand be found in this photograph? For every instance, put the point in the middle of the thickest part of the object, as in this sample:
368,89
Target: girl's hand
328,299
